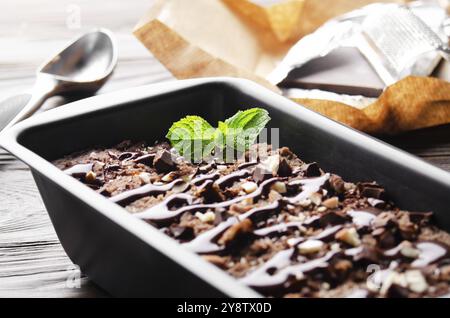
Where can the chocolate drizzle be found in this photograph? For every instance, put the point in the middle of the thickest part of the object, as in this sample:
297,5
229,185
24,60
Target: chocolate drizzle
275,272
247,164
127,156
278,229
205,242
204,177
228,180
361,218
430,252
162,213
308,186
146,159
129,196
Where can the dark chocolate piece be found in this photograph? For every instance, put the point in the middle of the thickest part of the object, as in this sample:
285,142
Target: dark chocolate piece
163,162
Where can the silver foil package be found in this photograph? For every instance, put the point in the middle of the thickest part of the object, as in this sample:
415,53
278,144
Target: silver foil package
397,40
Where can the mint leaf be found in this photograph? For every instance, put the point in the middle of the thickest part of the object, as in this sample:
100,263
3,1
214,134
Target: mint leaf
221,135
192,137
245,126
195,139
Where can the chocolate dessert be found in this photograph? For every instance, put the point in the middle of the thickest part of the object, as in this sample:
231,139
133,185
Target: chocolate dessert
277,224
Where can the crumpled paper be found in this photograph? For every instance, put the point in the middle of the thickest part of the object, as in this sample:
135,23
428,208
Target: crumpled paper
242,38
411,103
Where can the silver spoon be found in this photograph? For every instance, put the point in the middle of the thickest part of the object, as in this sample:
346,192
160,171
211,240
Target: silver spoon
82,68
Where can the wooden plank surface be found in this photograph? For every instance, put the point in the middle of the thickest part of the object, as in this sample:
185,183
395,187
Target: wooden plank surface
32,262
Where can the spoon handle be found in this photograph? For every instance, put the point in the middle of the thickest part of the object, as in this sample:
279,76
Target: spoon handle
44,88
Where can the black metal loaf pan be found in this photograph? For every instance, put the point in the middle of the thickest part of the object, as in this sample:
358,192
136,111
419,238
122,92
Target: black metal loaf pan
128,257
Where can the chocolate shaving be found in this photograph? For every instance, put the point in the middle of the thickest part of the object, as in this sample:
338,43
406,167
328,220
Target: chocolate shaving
371,190
229,235
163,162
311,170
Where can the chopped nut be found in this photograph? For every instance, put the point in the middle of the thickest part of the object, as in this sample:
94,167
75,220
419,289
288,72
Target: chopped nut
215,259
349,186
207,217
272,163
241,227
305,203
145,177
407,228
445,273
280,187
221,167
247,202
391,279
169,177
335,247
316,198
249,186
90,176
383,220
416,282
321,209
349,236
274,196
101,164
407,250
310,246
331,203
296,218
343,265
239,208
293,241
336,183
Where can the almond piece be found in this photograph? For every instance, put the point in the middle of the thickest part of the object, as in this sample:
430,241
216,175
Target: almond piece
310,246
416,282
280,187
207,217
331,203
349,236
90,176
249,186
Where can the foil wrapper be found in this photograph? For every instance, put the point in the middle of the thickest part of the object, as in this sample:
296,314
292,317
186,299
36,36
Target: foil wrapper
398,40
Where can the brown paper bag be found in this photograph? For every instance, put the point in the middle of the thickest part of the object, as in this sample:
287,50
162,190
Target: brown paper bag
412,103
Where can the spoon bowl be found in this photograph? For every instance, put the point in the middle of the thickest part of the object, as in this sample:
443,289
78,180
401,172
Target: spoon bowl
85,64
81,68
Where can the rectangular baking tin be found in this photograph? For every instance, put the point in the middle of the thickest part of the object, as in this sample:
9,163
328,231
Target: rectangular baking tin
128,257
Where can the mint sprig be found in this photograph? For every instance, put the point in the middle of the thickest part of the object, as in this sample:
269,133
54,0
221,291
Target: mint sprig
194,138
